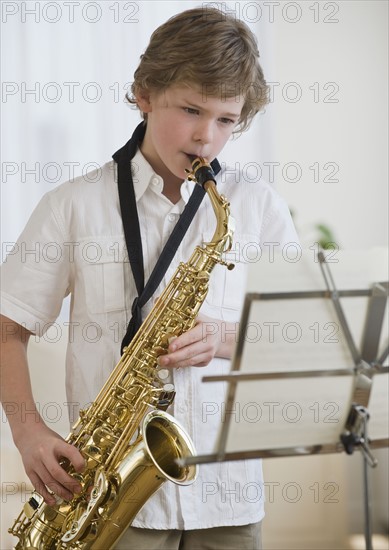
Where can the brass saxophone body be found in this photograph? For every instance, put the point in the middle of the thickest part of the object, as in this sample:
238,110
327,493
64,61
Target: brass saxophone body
130,446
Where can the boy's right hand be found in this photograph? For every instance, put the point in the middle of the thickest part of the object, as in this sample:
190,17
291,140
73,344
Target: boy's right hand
42,449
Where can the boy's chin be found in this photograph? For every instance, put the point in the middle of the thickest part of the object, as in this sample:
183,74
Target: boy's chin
180,173
185,166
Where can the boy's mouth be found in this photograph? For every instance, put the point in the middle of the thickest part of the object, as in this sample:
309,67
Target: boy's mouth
191,157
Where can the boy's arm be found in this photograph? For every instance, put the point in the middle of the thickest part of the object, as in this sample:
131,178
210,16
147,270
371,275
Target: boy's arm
40,447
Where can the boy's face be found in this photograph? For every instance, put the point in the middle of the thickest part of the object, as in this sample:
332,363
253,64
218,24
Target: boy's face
183,121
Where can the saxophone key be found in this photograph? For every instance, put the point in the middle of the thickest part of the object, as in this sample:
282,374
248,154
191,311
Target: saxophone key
121,414
163,374
104,437
159,350
30,506
92,455
50,513
166,398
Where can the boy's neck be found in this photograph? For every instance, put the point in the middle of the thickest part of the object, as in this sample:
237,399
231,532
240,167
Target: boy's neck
172,191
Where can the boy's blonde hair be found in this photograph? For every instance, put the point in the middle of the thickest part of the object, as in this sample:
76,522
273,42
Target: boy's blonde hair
207,48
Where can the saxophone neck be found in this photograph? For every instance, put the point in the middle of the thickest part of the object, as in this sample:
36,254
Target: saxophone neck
203,175
225,223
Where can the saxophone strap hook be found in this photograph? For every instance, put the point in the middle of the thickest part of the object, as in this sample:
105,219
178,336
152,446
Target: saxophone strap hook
134,324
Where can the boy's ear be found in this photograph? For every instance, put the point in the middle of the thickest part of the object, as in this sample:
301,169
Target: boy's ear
143,101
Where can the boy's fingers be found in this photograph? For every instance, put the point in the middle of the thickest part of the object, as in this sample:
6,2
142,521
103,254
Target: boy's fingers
190,337
44,481
63,479
200,360
73,455
182,357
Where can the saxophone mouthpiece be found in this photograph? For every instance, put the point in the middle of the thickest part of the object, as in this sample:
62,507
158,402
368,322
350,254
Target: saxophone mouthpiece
190,173
201,171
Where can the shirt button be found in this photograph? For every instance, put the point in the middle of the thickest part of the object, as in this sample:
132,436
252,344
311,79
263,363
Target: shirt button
171,217
155,181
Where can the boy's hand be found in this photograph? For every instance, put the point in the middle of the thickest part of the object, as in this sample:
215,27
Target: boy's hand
41,450
209,338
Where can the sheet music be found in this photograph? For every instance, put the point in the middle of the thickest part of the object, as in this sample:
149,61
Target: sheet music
271,414
351,270
356,269
292,335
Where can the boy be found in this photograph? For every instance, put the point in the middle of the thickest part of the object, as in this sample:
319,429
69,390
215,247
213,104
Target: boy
197,83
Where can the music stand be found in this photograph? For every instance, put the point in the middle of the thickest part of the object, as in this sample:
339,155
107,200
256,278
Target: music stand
341,391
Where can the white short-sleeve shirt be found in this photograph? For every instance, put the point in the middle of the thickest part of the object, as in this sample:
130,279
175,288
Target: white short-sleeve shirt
74,244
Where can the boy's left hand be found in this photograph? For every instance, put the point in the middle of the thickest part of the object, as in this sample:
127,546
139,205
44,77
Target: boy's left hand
209,338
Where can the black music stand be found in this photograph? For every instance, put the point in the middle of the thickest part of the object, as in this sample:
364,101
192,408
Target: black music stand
346,384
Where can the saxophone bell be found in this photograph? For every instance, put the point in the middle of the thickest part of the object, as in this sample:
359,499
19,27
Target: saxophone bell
154,458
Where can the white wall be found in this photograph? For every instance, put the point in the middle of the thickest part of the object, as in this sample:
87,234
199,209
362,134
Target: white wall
348,61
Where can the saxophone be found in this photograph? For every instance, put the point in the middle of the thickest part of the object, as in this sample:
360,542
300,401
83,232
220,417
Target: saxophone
130,444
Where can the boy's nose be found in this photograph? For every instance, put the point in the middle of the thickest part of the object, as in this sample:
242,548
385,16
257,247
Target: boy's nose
203,132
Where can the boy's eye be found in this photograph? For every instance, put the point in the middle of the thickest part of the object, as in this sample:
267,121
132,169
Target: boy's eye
224,120
191,111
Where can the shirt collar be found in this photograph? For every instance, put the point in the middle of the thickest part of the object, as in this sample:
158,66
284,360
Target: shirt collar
144,176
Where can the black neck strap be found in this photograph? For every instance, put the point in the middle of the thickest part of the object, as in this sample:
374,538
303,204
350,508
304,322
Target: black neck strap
132,232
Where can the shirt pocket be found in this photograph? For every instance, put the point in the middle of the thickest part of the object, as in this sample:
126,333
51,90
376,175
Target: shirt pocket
104,287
